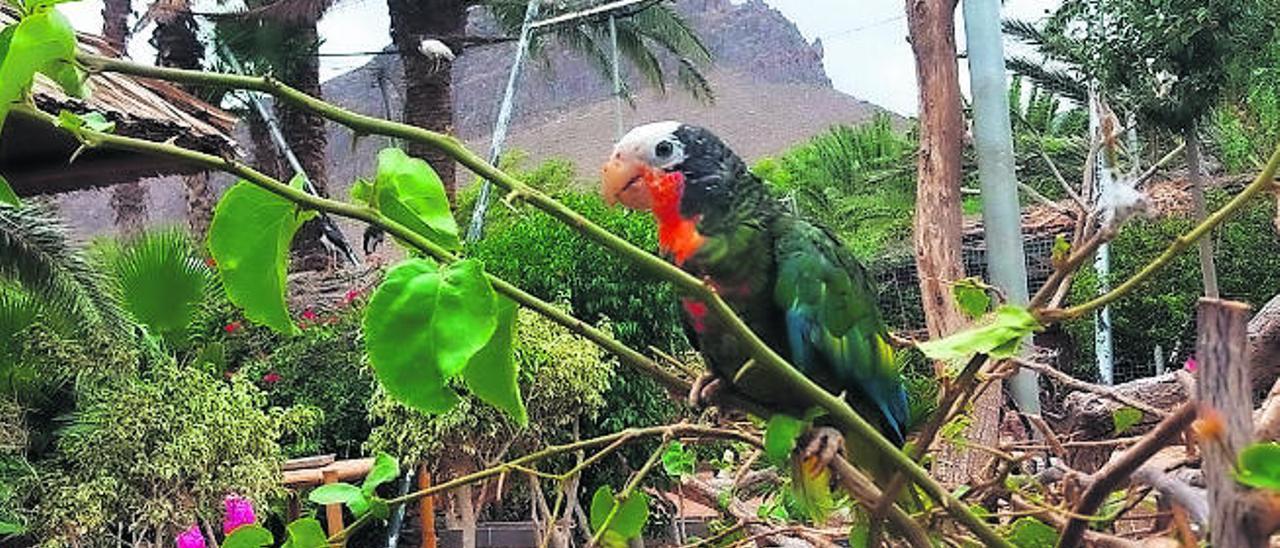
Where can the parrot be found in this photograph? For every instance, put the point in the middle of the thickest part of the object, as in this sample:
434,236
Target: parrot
789,278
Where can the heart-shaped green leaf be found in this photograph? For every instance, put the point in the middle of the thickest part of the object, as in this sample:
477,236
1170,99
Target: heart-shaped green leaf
1259,466
385,468
305,533
492,373
1125,418
248,536
1027,532
424,324
335,493
999,338
249,239
971,297
677,461
38,41
780,437
409,192
628,520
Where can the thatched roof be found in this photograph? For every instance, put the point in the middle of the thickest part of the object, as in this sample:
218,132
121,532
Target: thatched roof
33,155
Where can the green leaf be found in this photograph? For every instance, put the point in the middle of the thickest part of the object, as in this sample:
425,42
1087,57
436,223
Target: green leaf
38,41
10,528
248,536
249,239
424,324
306,533
160,281
493,371
359,505
1027,532
1061,249
93,121
335,493
971,296
362,193
1259,466
780,437
1125,418
69,77
677,461
7,195
1000,338
409,192
628,521
385,468
379,508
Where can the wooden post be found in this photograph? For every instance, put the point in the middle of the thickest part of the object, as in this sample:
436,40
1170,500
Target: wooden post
1222,385
333,512
426,509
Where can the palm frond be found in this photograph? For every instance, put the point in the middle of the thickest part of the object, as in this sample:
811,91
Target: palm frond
36,254
1061,82
160,281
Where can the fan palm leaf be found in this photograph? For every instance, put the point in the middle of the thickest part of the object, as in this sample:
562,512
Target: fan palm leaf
159,279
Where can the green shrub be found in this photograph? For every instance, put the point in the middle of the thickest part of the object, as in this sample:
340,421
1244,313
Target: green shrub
322,369
158,451
1162,311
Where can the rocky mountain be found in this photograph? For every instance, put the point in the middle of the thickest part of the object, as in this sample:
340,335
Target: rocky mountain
770,85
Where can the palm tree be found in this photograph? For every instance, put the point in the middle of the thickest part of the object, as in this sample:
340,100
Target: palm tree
128,200
642,38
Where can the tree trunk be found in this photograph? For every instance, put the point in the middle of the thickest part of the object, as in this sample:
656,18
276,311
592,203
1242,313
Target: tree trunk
178,46
307,137
128,200
937,231
115,23
428,82
1208,271
466,516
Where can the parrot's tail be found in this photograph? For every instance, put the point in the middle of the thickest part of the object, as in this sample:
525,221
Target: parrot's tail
811,488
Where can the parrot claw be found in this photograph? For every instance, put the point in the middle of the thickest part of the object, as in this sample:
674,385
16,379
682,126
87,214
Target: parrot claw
704,390
824,444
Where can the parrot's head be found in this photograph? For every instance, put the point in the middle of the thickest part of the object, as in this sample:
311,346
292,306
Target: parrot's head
671,164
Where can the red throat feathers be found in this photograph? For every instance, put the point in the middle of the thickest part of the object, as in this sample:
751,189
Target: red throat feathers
676,234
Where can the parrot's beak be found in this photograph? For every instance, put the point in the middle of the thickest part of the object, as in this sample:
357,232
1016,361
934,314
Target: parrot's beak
624,181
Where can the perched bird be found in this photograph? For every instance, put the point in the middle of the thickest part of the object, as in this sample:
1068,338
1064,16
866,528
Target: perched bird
789,279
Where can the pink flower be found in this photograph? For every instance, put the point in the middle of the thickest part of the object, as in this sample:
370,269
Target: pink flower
350,297
191,538
309,315
231,327
239,512
271,378
1190,365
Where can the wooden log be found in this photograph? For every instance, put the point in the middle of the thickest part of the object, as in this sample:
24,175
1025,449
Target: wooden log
426,509
333,512
1223,390
345,470
303,463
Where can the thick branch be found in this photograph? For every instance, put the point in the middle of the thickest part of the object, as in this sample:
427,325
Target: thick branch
849,420
1116,471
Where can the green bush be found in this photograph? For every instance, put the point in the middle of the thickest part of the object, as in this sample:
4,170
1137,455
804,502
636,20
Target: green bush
1162,311
322,369
156,452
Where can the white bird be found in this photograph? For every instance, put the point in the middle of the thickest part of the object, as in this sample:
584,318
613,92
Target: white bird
436,51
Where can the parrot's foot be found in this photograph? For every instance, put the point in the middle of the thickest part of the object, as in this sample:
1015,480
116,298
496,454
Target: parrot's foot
824,444
703,390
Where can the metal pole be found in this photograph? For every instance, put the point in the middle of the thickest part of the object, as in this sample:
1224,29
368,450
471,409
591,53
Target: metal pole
617,79
476,228
273,129
1103,346
993,140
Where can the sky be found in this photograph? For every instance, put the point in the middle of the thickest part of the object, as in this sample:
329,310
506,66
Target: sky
866,51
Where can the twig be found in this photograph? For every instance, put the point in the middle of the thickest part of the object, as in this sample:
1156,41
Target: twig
790,378
1260,183
1116,471
627,491
1104,391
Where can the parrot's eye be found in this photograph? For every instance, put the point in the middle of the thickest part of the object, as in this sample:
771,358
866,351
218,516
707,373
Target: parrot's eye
663,149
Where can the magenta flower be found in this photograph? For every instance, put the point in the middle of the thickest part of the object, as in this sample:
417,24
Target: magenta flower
271,378
239,512
231,327
350,297
309,315
1190,365
191,538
